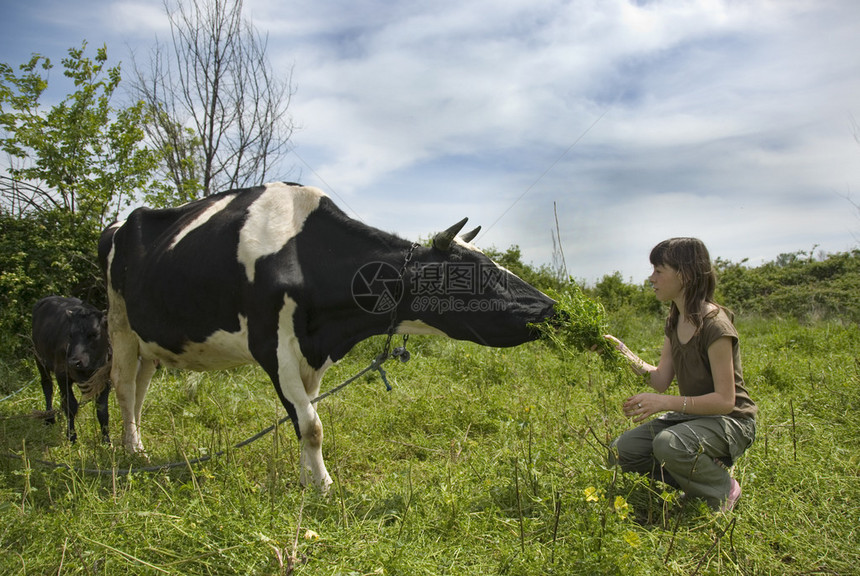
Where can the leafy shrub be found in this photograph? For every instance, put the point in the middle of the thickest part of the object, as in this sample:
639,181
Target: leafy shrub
615,294
794,286
540,277
42,254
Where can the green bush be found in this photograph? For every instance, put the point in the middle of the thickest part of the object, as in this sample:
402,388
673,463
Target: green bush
794,286
616,296
540,277
42,254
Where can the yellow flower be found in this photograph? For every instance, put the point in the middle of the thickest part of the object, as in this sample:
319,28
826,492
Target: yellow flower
311,535
591,494
621,506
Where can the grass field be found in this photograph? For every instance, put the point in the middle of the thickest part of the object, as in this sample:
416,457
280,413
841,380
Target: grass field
479,461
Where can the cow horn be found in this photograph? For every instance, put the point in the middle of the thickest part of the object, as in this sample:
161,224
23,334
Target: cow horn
469,236
442,240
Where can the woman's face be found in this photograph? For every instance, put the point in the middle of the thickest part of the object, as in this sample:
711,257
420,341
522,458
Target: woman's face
666,282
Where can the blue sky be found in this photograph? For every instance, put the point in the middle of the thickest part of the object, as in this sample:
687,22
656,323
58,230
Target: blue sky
728,120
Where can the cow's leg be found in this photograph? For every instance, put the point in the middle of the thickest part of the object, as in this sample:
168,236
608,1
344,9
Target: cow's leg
306,421
312,464
69,404
312,434
287,378
48,389
145,370
283,363
124,375
102,414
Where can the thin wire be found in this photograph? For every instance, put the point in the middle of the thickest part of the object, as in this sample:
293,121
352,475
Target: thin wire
327,185
18,391
545,172
514,203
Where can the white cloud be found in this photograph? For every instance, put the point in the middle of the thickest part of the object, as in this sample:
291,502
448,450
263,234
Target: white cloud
140,20
713,115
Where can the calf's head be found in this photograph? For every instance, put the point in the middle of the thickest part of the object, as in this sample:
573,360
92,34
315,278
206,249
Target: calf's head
88,342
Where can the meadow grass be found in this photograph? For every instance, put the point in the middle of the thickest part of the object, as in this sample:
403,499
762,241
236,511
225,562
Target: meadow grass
479,461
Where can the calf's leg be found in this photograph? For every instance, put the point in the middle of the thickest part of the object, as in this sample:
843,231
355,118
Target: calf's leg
69,404
48,389
103,415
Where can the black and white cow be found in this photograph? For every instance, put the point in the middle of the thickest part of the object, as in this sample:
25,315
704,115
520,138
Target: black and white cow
70,339
278,275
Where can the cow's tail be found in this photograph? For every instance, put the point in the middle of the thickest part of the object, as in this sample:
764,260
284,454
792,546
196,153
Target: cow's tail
98,382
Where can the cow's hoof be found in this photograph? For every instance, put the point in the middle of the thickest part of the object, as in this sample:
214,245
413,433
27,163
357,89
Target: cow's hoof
306,479
325,488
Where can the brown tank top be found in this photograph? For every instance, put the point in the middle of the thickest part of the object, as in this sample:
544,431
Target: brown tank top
693,368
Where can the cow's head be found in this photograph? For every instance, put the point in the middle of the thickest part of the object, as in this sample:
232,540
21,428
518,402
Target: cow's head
456,289
88,342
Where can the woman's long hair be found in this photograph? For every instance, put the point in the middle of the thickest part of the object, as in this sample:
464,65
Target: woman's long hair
690,258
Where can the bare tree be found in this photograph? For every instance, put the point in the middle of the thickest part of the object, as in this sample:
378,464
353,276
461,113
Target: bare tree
217,110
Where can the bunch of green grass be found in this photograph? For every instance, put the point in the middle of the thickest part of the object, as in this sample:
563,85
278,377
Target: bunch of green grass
580,324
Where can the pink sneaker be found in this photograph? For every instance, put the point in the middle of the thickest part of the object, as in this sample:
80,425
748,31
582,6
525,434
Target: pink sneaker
733,497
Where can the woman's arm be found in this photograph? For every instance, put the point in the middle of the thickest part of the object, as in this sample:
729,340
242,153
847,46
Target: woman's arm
661,375
720,401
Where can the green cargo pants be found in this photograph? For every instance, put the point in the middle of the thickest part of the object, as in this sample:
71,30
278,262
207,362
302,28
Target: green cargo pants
692,454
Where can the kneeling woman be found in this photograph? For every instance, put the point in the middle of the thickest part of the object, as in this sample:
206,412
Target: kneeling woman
711,422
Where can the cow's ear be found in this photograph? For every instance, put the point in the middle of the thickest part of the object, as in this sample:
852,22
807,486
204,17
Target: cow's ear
70,313
469,236
442,240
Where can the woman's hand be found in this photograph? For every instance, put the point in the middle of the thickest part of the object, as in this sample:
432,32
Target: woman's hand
642,406
635,361
621,347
